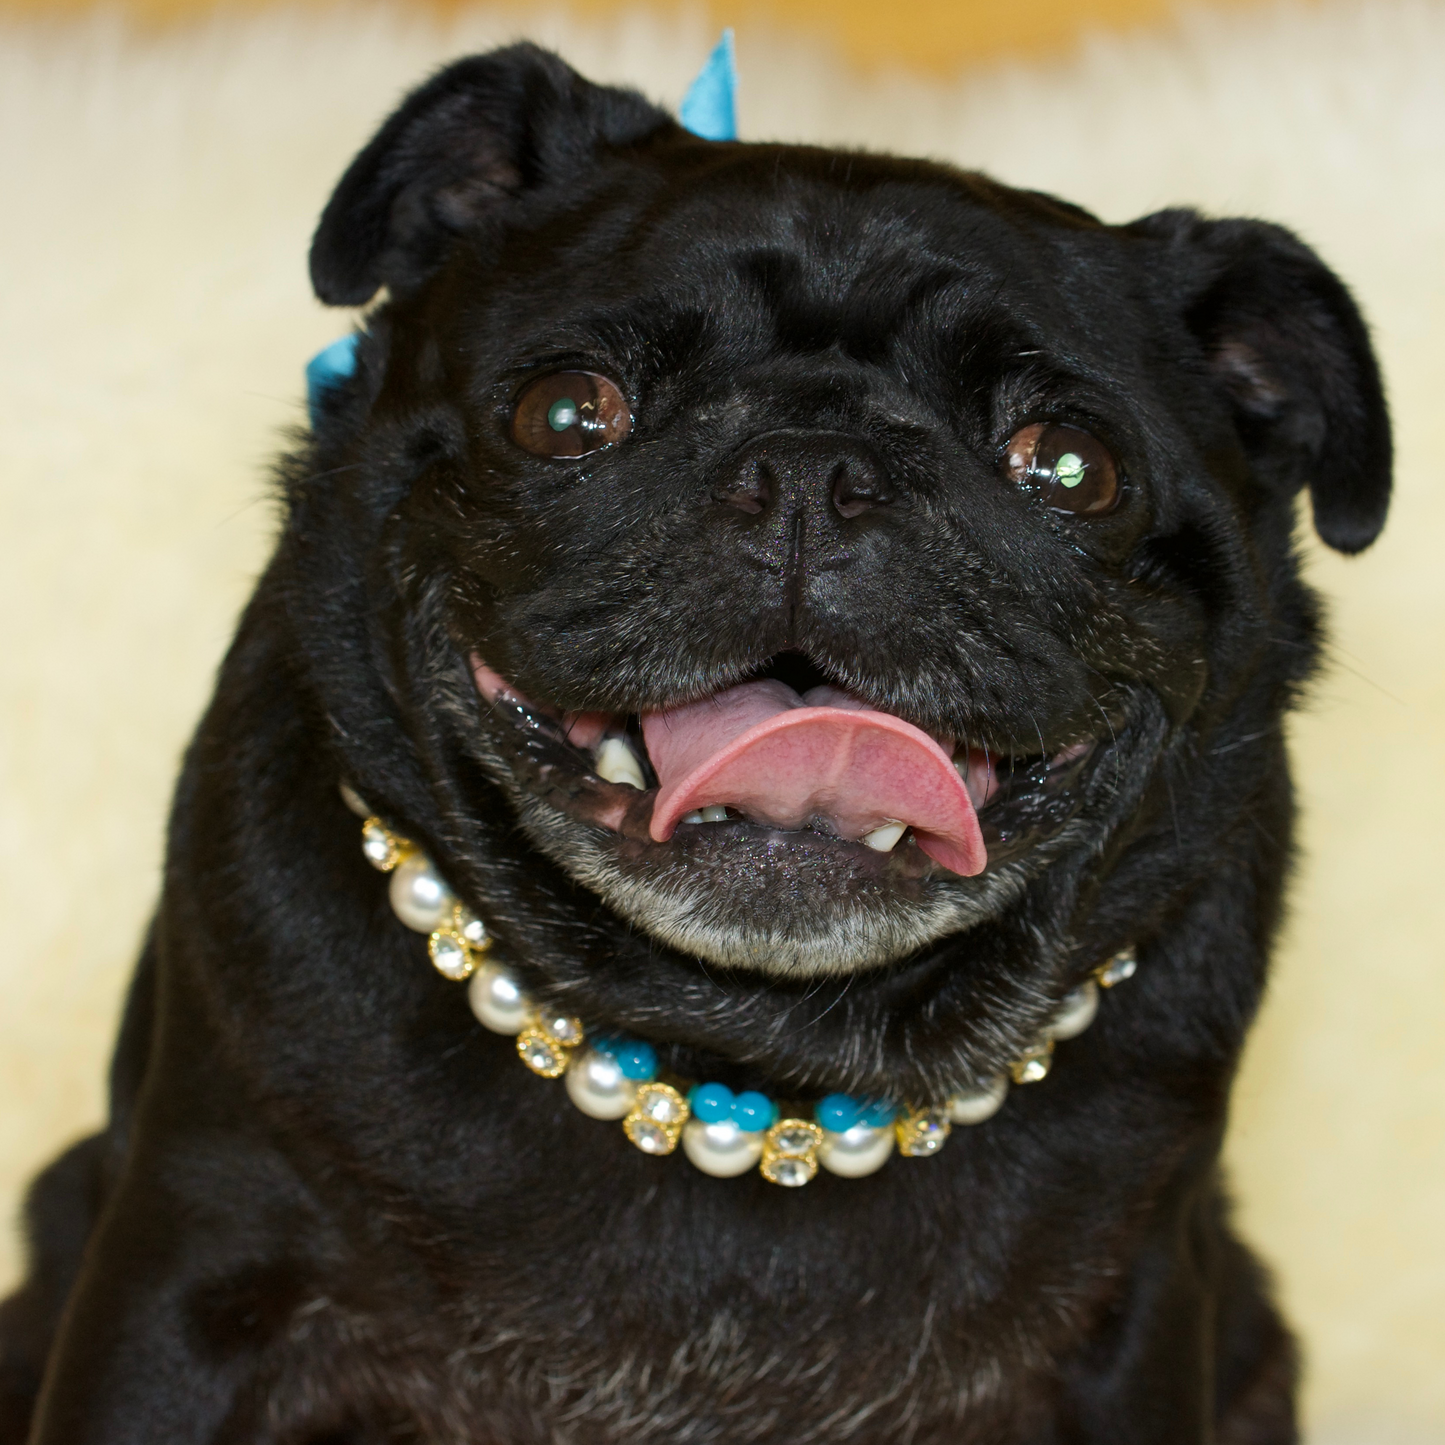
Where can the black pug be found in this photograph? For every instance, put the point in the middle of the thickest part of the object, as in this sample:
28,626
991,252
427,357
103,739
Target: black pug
815,613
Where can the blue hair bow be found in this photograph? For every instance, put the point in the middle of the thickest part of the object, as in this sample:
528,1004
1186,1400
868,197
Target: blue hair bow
710,107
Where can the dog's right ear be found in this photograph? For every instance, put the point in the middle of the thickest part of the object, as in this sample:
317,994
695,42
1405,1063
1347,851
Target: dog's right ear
1285,343
482,131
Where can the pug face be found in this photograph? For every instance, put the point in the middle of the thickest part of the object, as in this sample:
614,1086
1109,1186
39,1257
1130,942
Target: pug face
827,555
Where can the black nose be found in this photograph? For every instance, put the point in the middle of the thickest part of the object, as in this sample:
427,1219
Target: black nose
807,469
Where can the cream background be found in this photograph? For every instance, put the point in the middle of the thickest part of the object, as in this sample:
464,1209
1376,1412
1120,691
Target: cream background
933,36
158,197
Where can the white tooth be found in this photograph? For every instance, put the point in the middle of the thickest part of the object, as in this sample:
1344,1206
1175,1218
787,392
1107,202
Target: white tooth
692,817
715,813
885,837
617,763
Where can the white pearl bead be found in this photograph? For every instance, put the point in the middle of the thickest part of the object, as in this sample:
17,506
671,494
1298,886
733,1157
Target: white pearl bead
498,1000
721,1149
1076,1012
598,1087
419,897
857,1151
976,1105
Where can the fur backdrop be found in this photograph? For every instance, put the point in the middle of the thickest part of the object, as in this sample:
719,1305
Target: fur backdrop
159,193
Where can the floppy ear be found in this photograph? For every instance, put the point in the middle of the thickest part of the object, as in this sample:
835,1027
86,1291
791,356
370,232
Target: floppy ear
1288,346
480,132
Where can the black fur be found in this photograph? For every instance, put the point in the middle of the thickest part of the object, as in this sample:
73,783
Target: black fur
330,1208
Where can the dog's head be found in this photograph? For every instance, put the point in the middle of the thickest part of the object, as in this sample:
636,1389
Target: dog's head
833,564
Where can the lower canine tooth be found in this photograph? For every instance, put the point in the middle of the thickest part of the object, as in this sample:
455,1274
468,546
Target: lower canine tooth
885,837
715,813
692,817
617,763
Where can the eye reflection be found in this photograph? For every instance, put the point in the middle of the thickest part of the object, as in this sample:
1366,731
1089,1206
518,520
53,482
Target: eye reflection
569,414
1066,468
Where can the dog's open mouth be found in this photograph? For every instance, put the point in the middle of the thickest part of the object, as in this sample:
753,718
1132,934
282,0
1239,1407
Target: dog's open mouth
785,752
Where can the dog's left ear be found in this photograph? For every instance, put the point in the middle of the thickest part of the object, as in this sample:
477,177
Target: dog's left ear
1288,346
458,149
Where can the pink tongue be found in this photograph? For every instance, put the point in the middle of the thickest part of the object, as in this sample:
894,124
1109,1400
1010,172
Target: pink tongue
787,760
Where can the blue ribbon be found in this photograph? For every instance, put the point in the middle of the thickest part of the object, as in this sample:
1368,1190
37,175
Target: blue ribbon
329,367
710,107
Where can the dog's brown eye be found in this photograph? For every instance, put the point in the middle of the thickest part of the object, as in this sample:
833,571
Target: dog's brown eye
569,414
1067,469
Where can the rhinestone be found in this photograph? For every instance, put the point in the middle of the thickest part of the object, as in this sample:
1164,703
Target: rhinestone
1034,1065
1119,969
383,849
450,954
790,1152
928,1140
471,928
649,1137
540,1054
562,1028
788,1170
662,1104
922,1132
794,1137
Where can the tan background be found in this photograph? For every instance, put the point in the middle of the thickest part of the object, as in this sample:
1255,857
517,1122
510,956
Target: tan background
159,187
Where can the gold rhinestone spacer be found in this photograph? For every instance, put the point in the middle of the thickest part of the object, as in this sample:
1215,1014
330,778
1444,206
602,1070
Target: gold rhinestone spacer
384,849
790,1152
1034,1065
451,955
471,928
561,1029
1119,969
542,1053
922,1130
655,1122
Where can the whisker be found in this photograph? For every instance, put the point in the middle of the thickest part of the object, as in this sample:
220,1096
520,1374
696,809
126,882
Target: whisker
847,984
1223,748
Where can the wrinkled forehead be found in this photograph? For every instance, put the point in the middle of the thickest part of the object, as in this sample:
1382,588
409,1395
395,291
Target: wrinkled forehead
790,225
826,247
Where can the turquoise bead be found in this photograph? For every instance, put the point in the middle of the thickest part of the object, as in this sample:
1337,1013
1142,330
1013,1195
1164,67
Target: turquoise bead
712,1103
877,1112
637,1060
754,1112
839,1112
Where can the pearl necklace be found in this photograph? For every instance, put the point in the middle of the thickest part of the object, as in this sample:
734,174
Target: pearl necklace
612,1077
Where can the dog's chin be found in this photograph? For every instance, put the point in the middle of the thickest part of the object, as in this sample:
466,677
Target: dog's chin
739,892
791,903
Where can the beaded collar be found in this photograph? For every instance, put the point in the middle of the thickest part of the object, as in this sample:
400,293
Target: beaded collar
609,1076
